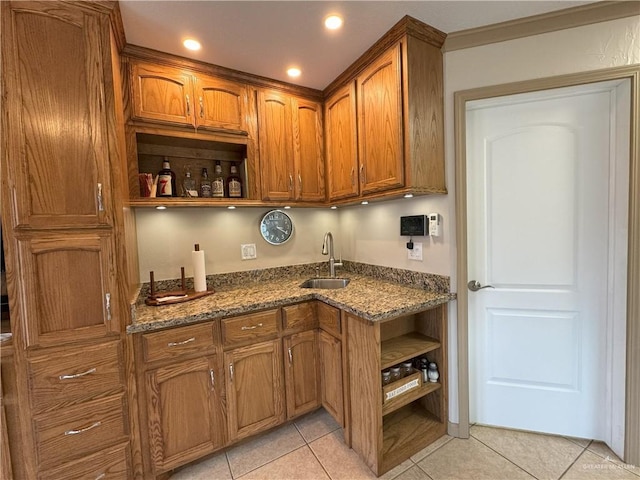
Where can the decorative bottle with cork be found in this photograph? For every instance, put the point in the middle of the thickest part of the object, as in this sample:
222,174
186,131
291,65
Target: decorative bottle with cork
166,181
205,185
217,186
234,183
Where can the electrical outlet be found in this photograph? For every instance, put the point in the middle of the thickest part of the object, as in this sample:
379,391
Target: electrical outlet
248,251
416,252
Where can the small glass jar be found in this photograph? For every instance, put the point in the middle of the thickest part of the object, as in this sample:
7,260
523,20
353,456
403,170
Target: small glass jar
396,374
406,368
386,377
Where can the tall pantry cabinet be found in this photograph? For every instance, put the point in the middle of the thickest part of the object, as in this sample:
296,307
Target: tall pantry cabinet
63,226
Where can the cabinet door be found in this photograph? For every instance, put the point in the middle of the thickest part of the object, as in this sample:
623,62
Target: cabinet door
380,140
342,147
220,104
162,94
185,417
331,375
69,288
275,138
301,373
255,393
308,146
55,62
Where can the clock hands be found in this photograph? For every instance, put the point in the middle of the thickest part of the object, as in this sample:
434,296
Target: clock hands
286,232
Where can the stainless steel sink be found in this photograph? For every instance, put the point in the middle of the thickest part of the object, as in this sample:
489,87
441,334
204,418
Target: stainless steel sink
325,283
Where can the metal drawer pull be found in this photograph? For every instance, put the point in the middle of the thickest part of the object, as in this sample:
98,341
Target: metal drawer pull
231,371
77,375
184,342
82,430
252,327
290,357
213,378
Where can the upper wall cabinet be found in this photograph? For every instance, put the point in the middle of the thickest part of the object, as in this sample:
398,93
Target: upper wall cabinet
395,144
180,97
290,144
57,167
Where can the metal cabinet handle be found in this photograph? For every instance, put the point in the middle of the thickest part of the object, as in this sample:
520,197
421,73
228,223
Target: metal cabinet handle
77,375
290,357
188,106
251,327
290,181
352,177
213,378
201,108
231,371
475,285
184,342
82,430
362,174
107,301
300,181
99,195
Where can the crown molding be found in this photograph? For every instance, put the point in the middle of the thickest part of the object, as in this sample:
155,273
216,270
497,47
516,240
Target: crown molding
543,23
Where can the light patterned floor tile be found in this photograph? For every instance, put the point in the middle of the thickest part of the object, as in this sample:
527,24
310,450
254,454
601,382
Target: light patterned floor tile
470,460
300,464
413,473
602,450
545,457
214,467
316,424
583,442
431,448
263,449
593,467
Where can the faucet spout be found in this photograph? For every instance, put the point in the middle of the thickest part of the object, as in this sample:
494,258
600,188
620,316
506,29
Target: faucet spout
327,249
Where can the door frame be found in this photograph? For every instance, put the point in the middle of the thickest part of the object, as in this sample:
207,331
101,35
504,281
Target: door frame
632,390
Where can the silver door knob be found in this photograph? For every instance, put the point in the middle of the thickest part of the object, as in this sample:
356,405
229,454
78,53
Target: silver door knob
475,285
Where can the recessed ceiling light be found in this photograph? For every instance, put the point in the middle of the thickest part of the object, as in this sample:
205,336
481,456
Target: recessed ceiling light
333,22
294,72
192,44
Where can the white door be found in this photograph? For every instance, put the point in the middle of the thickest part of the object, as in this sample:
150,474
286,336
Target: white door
543,216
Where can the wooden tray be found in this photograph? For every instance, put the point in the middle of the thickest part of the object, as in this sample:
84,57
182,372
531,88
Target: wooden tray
181,296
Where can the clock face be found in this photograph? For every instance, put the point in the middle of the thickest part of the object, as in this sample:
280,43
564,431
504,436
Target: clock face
276,227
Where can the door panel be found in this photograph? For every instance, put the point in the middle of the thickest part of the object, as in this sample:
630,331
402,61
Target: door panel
538,203
221,104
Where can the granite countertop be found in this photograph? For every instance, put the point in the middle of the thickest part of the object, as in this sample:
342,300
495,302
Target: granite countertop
370,298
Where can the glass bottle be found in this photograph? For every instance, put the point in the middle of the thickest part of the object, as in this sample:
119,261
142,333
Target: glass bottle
189,184
407,368
217,186
386,377
396,374
234,183
205,184
166,181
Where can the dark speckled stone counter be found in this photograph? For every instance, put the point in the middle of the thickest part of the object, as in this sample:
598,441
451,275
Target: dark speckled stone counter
371,298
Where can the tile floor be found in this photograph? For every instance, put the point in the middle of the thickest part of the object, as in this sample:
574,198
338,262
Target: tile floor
312,448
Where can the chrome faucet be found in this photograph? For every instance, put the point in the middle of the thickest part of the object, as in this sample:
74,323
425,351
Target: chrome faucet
327,249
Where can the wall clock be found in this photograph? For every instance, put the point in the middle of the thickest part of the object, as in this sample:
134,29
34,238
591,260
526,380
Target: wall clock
276,227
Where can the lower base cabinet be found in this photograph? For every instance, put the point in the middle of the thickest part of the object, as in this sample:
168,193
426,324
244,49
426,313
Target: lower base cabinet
330,349
301,373
255,391
185,415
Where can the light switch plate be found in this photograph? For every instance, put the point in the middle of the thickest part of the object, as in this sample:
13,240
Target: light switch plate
416,252
248,251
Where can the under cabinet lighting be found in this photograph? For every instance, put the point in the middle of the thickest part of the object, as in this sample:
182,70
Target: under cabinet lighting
408,195
364,202
333,207
231,207
333,22
287,207
161,207
191,44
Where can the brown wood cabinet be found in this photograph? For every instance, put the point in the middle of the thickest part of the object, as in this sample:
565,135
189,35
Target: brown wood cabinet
302,380
331,389
291,147
185,417
177,96
387,430
255,390
341,144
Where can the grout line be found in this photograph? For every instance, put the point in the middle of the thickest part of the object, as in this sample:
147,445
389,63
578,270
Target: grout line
422,469
318,460
434,451
584,449
503,456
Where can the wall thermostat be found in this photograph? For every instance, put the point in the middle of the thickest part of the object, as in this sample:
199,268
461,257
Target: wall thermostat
413,225
434,224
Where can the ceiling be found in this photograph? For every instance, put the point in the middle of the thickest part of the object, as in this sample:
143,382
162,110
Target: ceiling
267,37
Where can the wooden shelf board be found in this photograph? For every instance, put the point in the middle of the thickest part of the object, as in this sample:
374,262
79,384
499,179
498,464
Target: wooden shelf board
408,397
405,347
407,431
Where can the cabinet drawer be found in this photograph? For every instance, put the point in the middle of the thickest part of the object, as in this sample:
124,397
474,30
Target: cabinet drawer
75,376
299,317
248,328
80,430
111,464
178,341
329,319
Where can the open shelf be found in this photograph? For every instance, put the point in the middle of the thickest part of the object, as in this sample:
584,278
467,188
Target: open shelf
404,347
408,397
407,431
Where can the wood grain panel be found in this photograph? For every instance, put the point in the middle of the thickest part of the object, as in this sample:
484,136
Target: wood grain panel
331,389
77,375
81,430
220,104
299,317
109,464
329,319
404,347
341,144
308,150
178,342
249,328
302,380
